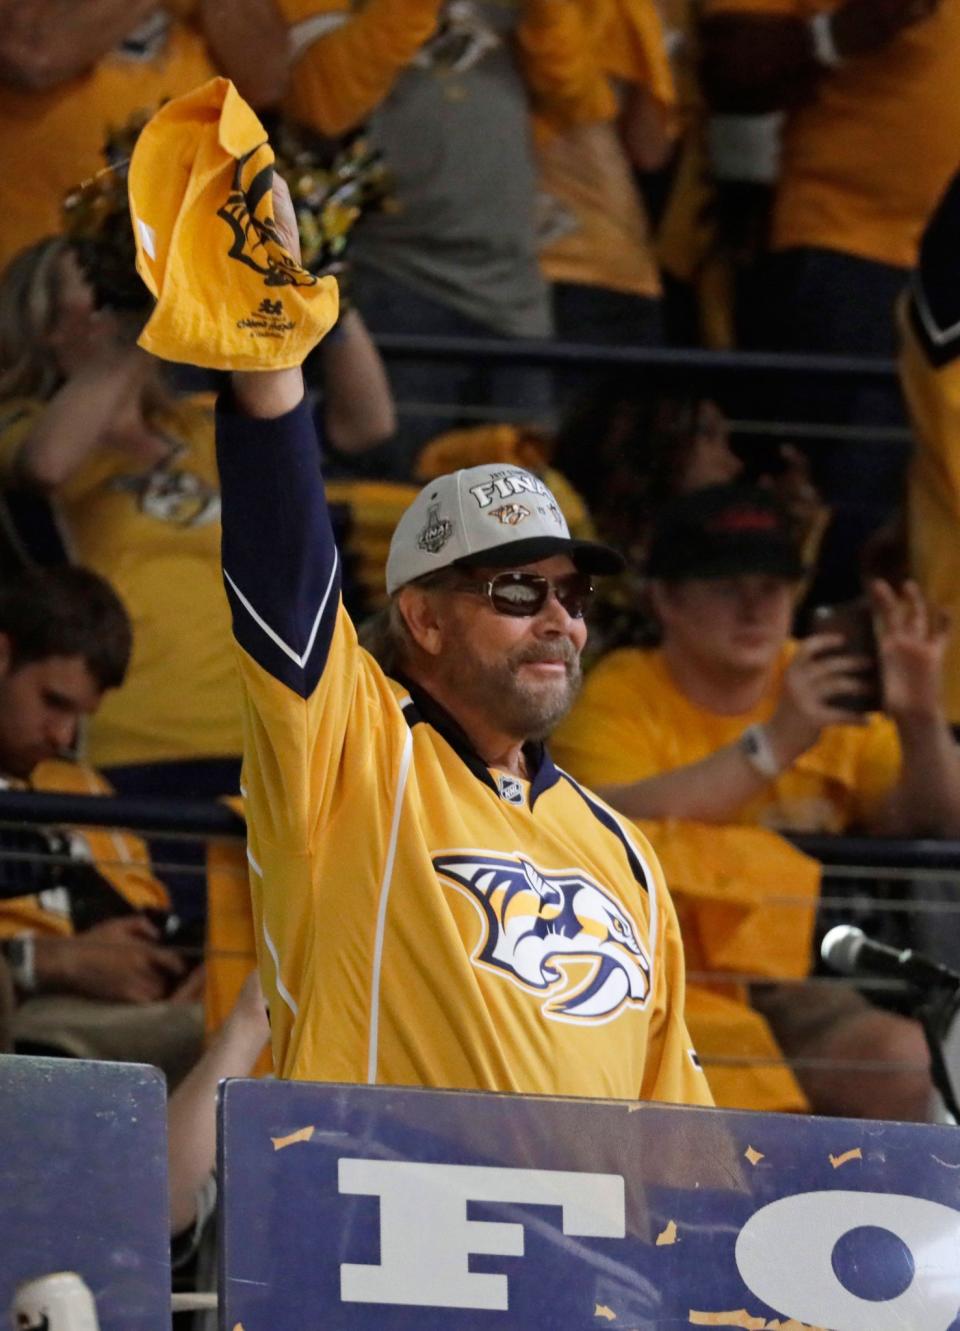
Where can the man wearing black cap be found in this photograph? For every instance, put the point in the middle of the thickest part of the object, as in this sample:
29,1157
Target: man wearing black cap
436,903
729,721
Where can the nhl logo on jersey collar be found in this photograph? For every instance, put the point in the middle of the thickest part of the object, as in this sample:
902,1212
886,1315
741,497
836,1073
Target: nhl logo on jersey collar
511,789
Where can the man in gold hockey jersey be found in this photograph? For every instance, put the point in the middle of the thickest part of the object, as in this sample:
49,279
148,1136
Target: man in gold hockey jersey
436,903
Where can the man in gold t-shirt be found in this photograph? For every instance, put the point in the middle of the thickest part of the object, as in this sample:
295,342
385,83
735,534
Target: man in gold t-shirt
730,731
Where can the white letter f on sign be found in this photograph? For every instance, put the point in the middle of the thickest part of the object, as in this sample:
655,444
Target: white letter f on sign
426,1238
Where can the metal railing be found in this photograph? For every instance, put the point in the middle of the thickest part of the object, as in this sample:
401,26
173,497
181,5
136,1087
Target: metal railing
671,368
913,886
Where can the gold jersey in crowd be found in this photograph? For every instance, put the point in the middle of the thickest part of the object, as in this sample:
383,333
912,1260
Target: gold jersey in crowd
153,531
867,158
930,377
387,879
51,140
120,858
345,69
933,494
402,890
594,227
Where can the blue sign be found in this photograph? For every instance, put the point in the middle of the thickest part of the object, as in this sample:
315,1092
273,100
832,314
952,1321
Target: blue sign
83,1184
361,1207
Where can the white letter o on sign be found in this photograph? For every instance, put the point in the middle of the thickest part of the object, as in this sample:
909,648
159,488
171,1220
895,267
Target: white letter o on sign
784,1254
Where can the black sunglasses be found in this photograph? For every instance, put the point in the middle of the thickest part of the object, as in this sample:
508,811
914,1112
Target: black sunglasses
524,594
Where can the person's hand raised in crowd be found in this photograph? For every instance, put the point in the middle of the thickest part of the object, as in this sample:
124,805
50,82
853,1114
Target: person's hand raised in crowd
911,641
820,673
861,26
119,961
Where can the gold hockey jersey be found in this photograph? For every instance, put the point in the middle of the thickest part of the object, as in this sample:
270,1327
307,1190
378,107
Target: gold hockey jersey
422,919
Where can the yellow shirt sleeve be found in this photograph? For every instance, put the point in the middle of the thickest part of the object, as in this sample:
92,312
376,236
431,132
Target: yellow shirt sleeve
672,1070
878,765
347,60
633,48
566,82
590,741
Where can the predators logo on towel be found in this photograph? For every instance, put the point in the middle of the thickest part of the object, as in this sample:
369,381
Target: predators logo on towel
248,212
229,294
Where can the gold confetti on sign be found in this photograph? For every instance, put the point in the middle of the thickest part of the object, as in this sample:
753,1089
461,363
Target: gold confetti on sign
601,1310
743,1320
753,1156
838,1160
301,1135
668,1235
740,1318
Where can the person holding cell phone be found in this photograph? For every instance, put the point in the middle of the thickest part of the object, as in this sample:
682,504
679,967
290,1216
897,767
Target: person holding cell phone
732,721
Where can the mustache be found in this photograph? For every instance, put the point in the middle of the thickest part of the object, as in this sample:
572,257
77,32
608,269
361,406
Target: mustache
560,649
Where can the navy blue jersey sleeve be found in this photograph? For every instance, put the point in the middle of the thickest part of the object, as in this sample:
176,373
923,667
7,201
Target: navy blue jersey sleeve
281,569
935,285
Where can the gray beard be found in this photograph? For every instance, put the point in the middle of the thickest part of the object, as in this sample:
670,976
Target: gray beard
523,710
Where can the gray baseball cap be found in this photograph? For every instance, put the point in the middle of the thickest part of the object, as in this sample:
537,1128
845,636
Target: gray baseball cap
493,515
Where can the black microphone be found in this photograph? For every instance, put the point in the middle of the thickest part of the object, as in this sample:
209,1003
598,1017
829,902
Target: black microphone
848,950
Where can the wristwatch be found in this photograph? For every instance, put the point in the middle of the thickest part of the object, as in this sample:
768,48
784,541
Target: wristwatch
20,953
756,748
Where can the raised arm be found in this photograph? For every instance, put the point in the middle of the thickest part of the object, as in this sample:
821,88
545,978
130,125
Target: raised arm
754,62
566,82
358,406
912,638
75,422
248,41
346,62
46,42
280,563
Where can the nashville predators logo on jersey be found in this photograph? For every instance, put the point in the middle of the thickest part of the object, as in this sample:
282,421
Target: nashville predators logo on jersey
555,933
171,495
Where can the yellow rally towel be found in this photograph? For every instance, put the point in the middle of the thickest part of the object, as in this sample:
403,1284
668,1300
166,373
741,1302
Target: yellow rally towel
229,296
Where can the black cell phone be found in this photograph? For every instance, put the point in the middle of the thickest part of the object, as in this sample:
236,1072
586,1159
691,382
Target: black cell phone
853,622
